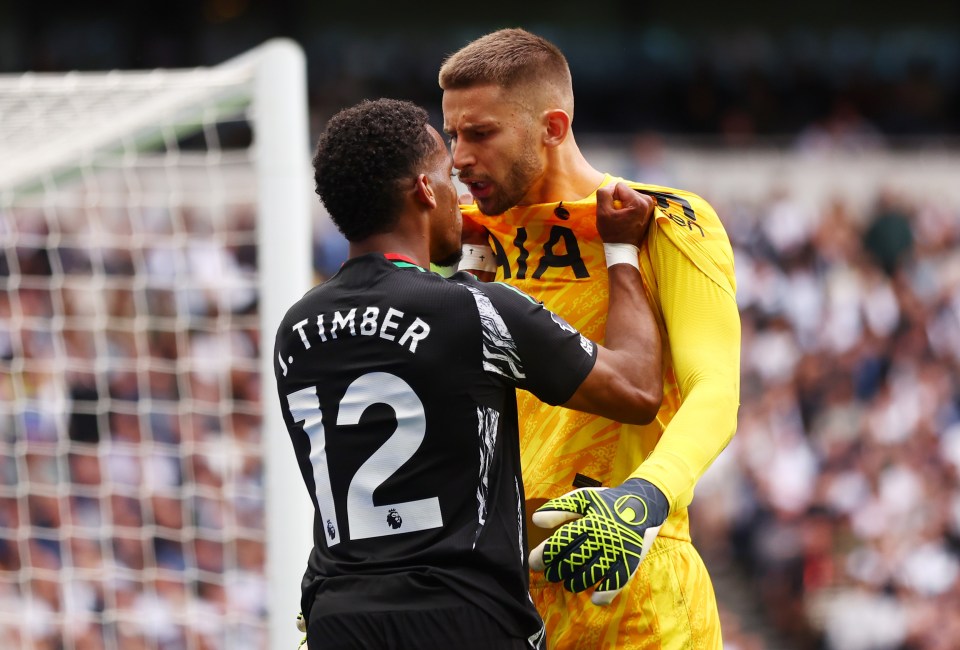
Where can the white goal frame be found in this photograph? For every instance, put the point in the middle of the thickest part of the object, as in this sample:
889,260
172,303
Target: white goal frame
277,110
284,234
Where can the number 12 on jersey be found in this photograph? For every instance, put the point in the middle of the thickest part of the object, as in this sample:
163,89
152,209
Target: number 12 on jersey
365,519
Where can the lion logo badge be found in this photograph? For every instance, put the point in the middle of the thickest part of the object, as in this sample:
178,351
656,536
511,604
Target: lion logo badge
393,519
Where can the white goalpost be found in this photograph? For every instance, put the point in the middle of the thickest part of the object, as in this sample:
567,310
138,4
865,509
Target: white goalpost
155,227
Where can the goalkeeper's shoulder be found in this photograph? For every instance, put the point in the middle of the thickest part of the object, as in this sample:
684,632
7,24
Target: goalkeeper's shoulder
690,222
681,198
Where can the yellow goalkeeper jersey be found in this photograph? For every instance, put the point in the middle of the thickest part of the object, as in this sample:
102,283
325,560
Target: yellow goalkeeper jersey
553,252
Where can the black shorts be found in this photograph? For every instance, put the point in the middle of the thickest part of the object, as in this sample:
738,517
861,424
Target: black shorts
458,627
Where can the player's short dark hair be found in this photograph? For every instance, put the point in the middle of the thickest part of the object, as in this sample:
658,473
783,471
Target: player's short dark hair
507,58
364,158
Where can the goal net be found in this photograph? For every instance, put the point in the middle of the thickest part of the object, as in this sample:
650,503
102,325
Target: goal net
155,226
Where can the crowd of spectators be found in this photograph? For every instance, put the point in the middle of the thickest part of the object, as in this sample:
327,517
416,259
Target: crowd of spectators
131,476
694,71
839,496
131,460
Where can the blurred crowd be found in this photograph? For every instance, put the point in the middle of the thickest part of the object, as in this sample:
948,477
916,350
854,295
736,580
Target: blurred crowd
839,496
738,87
131,461
708,73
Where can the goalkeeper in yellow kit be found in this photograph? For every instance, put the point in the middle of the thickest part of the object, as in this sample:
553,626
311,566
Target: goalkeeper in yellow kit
507,109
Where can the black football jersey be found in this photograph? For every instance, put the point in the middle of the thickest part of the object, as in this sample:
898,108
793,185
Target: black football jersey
398,388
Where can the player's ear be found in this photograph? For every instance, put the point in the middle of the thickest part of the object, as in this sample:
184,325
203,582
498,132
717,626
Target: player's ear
423,190
557,123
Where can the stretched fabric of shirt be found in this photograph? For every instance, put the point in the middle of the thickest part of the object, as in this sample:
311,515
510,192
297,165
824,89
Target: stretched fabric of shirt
553,252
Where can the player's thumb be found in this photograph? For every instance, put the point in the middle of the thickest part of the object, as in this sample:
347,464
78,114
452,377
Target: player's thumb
562,509
604,598
536,557
552,518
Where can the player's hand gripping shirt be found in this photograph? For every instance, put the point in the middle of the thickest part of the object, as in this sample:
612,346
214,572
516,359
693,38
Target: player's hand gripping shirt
553,251
398,388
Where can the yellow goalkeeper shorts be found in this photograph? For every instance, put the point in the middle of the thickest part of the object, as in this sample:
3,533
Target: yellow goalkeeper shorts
668,605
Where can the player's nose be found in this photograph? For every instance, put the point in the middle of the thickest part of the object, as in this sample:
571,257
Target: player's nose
463,157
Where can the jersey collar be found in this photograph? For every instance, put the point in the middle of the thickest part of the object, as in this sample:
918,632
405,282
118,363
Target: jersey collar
402,261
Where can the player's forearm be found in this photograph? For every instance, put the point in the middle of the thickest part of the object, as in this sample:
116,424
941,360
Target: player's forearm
703,330
701,429
627,381
632,335
705,348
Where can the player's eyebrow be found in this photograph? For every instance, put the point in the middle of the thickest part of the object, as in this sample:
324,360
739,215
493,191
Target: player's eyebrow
472,126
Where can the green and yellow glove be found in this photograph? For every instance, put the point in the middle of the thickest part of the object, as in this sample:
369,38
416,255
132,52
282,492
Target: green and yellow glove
610,533
302,626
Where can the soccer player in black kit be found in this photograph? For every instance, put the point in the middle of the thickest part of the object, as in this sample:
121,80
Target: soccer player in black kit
398,388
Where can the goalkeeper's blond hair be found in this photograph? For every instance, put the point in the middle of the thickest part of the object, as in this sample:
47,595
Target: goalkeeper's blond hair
515,60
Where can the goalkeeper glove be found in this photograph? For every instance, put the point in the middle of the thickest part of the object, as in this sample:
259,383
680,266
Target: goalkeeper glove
302,626
612,531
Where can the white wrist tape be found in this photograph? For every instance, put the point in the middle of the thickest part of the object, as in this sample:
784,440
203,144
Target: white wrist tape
622,254
477,258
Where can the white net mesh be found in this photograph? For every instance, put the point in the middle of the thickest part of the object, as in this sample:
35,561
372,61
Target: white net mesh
131,467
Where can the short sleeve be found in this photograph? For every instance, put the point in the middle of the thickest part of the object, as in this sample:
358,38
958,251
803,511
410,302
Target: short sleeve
529,346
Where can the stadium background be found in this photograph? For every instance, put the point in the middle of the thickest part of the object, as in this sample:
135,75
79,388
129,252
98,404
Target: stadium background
833,520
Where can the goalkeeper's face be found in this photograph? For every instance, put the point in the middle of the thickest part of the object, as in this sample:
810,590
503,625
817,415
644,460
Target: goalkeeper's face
445,219
496,141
